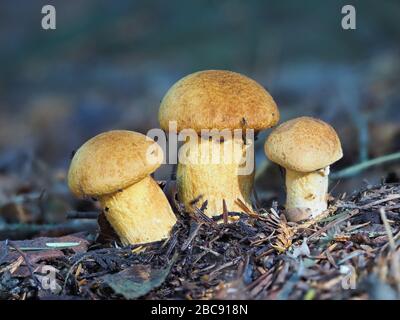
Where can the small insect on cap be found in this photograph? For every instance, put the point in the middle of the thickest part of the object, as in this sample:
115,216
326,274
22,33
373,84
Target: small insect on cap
112,161
303,144
218,99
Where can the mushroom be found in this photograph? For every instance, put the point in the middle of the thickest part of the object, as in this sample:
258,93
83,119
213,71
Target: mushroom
220,102
115,168
305,147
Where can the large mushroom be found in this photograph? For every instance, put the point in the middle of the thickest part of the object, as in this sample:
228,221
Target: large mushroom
115,167
305,147
219,101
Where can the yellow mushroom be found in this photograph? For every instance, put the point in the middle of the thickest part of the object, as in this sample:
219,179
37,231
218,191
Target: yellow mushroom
216,100
305,147
115,167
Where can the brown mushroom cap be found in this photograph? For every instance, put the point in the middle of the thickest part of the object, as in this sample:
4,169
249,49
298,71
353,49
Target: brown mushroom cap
111,161
303,144
218,99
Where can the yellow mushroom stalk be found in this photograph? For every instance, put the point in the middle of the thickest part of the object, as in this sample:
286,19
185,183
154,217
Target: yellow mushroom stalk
115,168
139,213
307,191
216,101
209,172
305,147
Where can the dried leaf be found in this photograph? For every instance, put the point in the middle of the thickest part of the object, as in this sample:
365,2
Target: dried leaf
137,280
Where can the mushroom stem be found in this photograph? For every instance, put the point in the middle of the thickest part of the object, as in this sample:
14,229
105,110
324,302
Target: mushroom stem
212,170
307,192
139,213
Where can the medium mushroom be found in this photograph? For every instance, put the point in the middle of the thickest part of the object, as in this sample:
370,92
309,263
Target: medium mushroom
115,168
305,147
220,102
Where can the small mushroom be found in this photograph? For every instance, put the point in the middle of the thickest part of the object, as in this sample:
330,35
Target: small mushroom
115,168
219,101
305,147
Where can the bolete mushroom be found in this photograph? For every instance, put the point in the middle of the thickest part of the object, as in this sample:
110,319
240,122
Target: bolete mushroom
115,167
216,102
305,147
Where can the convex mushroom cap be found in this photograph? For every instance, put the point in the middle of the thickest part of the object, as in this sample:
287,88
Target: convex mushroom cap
218,99
304,144
112,161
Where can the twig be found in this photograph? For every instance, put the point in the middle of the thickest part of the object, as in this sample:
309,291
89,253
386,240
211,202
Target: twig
82,214
225,211
194,230
331,224
23,231
388,229
13,265
28,265
353,170
71,269
257,199
261,279
323,217
200,215
395,238
245,208
172,244
389,198
224,266
215,253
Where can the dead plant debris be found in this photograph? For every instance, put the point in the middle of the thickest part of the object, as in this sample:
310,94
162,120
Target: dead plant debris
352,252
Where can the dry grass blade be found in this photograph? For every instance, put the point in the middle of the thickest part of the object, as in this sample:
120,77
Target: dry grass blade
388,229
258,248
246,209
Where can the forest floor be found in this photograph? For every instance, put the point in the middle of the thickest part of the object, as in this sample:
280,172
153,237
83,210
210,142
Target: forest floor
351,252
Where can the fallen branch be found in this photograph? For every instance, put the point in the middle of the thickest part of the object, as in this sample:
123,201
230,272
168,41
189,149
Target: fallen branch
353,170
24,231
82,214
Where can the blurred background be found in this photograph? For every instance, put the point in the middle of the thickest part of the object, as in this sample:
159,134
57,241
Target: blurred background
109,63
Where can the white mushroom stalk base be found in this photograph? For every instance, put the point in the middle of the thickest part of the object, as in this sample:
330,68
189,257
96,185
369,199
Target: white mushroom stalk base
201,176
139,213
306,193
